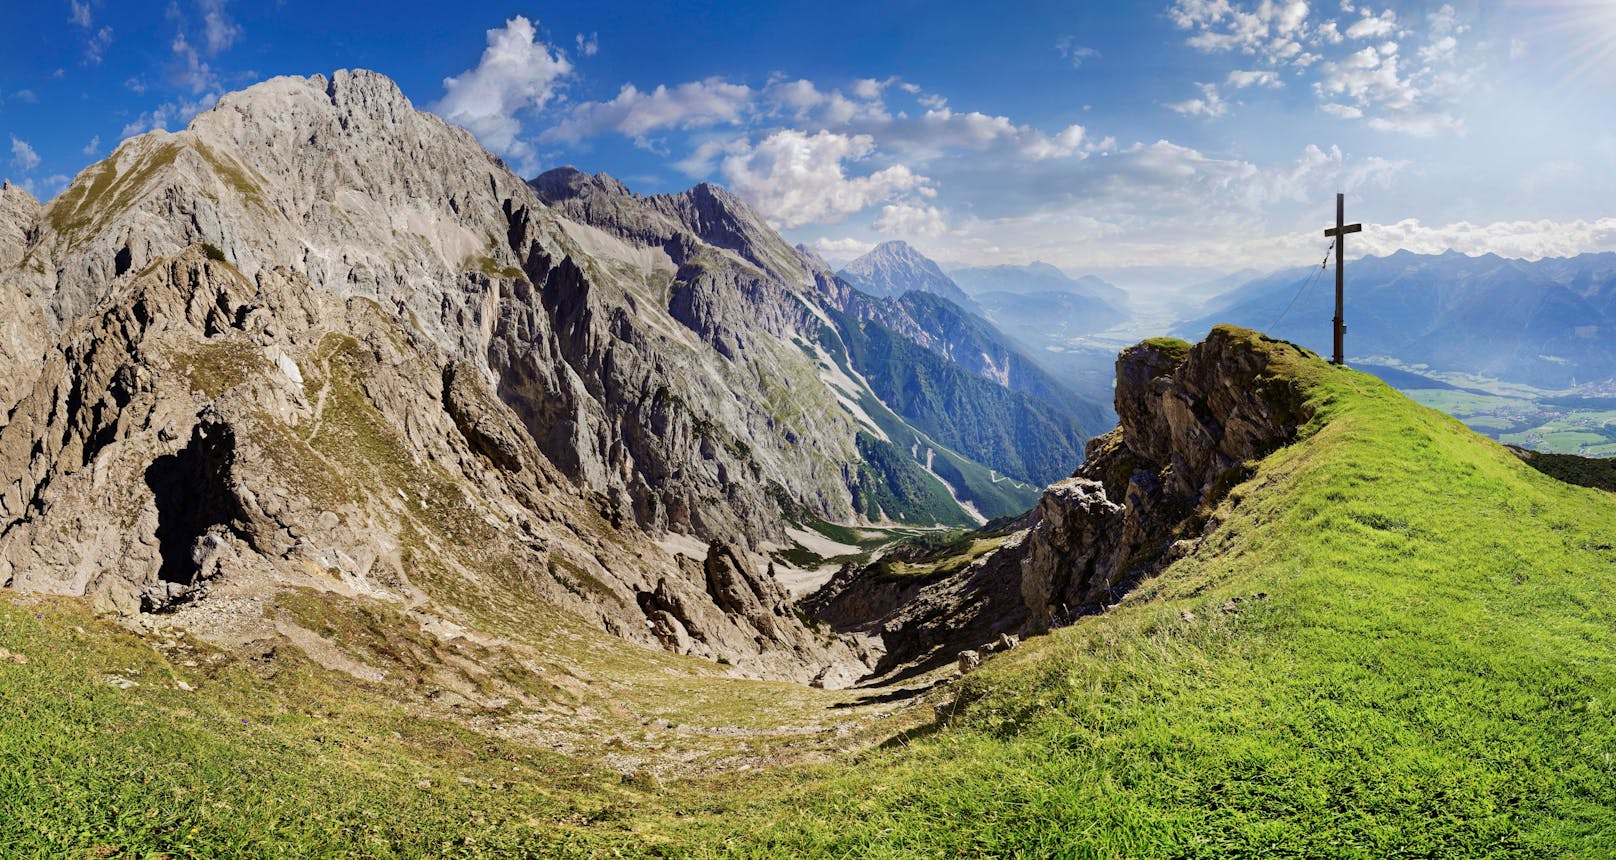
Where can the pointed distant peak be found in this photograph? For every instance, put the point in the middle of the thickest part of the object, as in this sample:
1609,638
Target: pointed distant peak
897,246
570,183
895,267
895,252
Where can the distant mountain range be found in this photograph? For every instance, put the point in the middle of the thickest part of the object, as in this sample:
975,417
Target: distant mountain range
1036,278
1040,305
1548,323
1036,312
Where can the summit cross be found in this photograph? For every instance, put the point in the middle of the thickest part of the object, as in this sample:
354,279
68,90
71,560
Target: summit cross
1340,234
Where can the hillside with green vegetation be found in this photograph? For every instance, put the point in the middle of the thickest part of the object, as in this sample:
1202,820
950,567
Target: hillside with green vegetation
1397,641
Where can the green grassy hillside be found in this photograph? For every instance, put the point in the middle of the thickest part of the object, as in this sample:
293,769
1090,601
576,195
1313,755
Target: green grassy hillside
1400,641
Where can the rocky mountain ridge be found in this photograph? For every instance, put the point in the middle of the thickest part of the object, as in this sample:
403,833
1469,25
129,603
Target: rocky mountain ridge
876,348
380,361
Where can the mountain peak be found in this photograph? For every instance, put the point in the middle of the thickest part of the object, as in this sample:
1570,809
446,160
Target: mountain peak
569,183
895,267
353,92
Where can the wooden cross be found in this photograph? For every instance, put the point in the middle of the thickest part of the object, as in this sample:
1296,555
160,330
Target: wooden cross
1340,233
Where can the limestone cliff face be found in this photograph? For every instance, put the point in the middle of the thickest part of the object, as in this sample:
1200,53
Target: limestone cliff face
198,432
18,213
657,378
319,330
1193,421
22,329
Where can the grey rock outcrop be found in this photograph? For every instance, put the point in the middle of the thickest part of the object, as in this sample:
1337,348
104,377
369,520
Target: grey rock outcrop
19,211
1193,421
197,429
724,607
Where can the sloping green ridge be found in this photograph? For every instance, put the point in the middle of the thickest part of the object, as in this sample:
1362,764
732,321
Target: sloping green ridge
1400,642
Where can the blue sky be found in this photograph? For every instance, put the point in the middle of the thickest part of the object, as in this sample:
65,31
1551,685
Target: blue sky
1089,135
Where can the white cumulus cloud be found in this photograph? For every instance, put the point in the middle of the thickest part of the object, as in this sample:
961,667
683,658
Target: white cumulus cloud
1210,104
911,219
1374,26
1240,78
190,70
634,113
517,73
1356,65
795,178
218,31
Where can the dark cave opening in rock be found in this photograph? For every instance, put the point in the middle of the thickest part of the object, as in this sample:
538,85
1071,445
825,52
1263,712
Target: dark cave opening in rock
188,489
